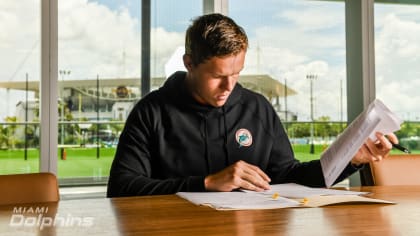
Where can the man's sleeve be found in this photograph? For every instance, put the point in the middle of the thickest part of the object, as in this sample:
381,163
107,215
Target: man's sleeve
131,170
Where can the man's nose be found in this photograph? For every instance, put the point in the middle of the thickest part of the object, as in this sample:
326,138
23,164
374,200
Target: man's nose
229,83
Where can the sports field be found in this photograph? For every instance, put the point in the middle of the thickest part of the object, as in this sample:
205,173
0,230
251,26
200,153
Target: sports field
79,162
83,162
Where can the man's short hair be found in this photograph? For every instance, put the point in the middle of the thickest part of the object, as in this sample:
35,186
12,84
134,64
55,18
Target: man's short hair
214,35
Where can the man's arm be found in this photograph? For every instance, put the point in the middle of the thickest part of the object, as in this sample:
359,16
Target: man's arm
122,183
131,170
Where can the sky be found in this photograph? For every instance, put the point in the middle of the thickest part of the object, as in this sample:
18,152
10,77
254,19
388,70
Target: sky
289,39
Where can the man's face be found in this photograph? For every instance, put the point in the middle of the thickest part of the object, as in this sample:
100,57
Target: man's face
212,82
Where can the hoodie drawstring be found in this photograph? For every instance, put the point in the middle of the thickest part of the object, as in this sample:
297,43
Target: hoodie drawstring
225,137
206,152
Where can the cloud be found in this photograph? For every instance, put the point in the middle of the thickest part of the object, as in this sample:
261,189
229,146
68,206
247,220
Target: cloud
397,61
89,47
164,44
94,40
110,47
326,90
311,36
19,45
399,38
311,43
312,17
301,38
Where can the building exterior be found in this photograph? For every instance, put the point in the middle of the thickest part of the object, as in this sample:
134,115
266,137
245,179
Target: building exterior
112,99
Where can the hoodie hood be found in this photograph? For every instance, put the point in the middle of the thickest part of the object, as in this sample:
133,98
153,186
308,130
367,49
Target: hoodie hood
176,89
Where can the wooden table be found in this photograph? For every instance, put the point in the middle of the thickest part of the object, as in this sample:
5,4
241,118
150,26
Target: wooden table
171,215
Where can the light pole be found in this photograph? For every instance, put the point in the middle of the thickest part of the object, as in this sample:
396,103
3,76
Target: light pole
341,103
311,78
62,74
285,100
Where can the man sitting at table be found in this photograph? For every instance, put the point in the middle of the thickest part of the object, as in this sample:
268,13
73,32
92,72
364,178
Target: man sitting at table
202,131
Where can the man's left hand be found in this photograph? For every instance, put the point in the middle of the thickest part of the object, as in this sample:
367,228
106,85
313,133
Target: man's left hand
375,151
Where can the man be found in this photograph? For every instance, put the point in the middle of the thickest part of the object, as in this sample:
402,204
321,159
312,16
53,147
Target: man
202,131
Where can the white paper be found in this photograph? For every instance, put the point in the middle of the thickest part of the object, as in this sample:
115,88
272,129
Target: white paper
237,200
376,118
296,191
318,201
286,195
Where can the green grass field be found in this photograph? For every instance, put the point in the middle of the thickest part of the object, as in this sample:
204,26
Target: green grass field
82,162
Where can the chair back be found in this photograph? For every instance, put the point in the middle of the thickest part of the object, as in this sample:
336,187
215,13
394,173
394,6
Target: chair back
28,188
397,170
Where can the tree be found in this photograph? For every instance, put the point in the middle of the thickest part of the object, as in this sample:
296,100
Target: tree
10,130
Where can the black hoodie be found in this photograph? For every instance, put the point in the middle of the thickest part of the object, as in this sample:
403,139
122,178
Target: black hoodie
171,142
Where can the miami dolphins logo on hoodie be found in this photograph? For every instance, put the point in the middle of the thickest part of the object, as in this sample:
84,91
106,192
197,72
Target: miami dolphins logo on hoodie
243,137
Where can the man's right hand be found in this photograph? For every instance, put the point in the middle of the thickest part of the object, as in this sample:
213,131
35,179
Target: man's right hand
238,175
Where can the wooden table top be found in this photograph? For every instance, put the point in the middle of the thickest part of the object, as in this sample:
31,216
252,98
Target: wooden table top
171,215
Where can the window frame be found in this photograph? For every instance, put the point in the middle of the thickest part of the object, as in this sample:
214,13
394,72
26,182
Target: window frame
360,67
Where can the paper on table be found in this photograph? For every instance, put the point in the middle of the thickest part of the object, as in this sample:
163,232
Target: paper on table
250,200
292,190
376,118
237,200
317,201
247,200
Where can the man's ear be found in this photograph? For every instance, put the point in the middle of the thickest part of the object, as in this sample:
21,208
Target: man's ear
187,62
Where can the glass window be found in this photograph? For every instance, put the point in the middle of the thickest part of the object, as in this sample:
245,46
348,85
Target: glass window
98,82
299,45
99,64
397,55
19,86
170,19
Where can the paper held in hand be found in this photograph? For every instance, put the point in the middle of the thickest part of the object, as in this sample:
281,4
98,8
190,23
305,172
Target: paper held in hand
376,118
